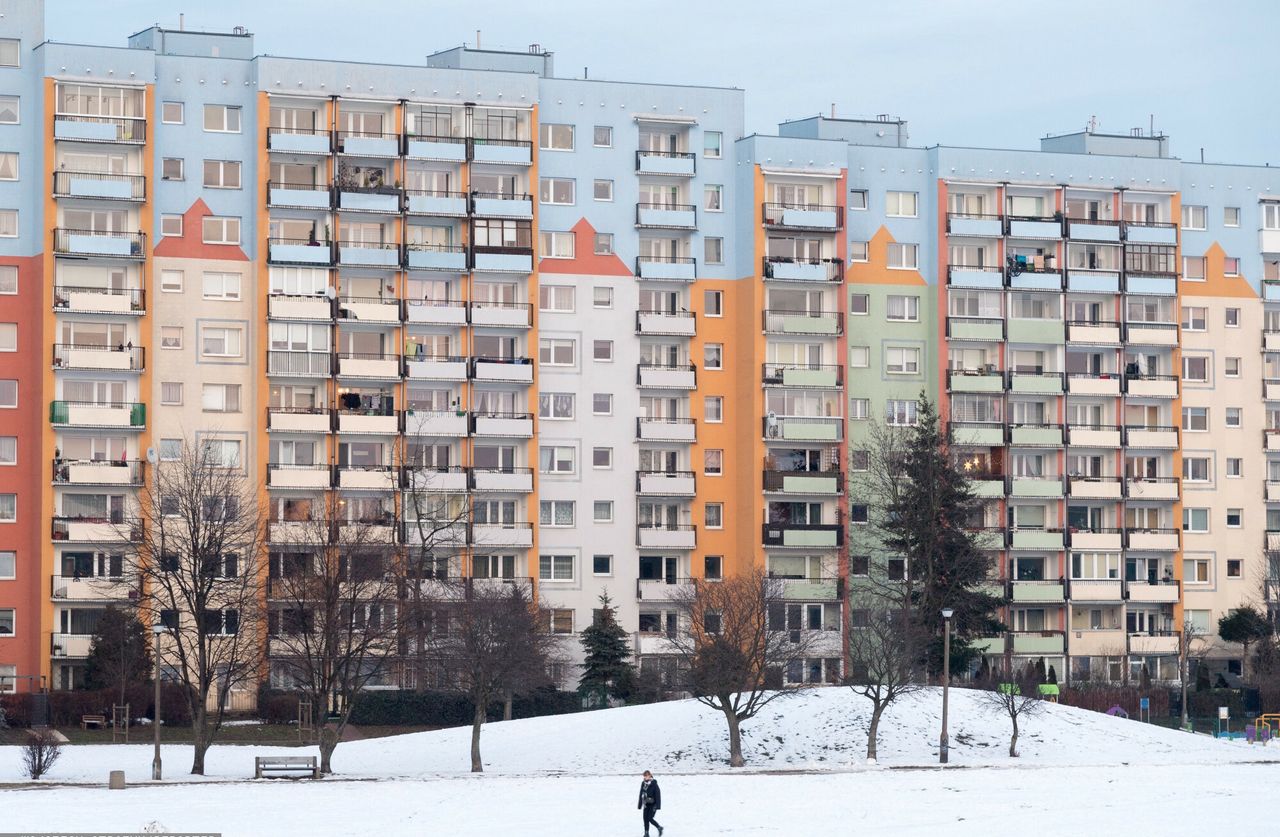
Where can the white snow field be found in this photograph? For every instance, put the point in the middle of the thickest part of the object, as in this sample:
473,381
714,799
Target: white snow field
579,774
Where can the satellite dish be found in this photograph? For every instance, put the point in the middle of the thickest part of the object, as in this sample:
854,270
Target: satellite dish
152,456
330,293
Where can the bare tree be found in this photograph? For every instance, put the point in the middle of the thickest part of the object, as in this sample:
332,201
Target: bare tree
199,537
884,650
735,644
334,620
1189,641
40,752
1015,698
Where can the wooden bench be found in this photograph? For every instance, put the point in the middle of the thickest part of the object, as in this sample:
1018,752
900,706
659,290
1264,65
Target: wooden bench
95,721
264,767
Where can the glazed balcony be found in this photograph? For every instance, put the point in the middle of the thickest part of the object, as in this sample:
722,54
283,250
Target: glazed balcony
1271,440
91,414
299,251
669,163
800,216
509,152
805,323
299,364
666,323
118,129
666,376
507,535
1150,283
813,375
510,425
435,367
1271,389
73,356
666,483
501,314
803,428
301,307
299,420
300,140
516,370
443,257
99,185
501,205
76,299
120,245
380,366
805,535
667,536
430,147
298,476
282,195
98,471
435,423
666,429
502,259
983,434
787,269
436,202
667,216
667,268
518,480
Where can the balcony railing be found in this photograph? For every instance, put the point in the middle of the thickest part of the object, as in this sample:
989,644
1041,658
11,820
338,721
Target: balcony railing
99,185
126,358
98,471
300,251
98,414
299,363
300,140
99,300
808,216
802,270
803,374
92,529
299,195
77,242
130,129
815,323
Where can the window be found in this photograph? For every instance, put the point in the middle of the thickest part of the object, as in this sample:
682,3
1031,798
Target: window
220,342
1232,416
1193,217
903,256
7,621
1195,520
171,225
1231,267
171,393
171,168
555,298
8,223
713,249
900,204
859,513
900,412
602,136
602,457
1193,268
713,356
602,565
602,350
224,453
556,512
171,337
218,230
8,450
859,408
8,165
220,398
1271,216
8,280
222,118
713,409
602,511
713,197
1195,468
859,459
1235,518
557,352
859,251
902,308
1234,467
1194,318
170,450
557,245
1231,367
713,462
1234,568
712,142
553,137
556,190
713,515
1195,571
602,297
713,303
859,357
1231,216
9,109
901,361
555,567
225,286
8,564
10,56
602,404
222,174
557,459
1195,418
604,244
171,281
713,567
172,113
857,199
8,337
1195,368
8,394
555,405
859,304
602,190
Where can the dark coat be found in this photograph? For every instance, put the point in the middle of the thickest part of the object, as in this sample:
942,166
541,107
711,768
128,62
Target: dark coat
651,795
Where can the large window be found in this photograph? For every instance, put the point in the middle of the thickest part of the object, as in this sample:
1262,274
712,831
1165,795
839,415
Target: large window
222,119
222,174
900,204
221,230
555,567
903,256
556,190
554,137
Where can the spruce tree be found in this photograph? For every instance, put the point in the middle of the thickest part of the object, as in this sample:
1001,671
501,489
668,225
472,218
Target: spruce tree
606,671
119,654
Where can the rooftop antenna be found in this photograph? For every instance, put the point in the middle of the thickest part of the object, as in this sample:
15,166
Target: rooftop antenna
1093,125
833,110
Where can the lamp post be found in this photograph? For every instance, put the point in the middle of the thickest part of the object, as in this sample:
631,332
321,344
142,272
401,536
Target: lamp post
943,744
156,629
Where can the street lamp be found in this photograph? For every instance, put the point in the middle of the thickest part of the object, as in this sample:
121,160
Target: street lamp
157,629
946,681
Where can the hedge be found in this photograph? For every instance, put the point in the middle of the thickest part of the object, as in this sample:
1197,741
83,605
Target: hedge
450,709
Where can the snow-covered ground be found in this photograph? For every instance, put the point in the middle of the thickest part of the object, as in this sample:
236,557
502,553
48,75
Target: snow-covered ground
578,775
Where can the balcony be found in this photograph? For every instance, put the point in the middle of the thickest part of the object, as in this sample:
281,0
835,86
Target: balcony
1163,643
368,144
90,414
813,375
1271,390
1037,642
501,205
1271,440
122,129
385,200
502,259
444,312
300,307
126,358
666,323
667,536
665,483
666,376
282,195
502,479
1035,435
1104,383
792,216
968,276
75,299
668,216
512,425
1097,590
375,365
1093,642
299,364
93,589
442,423
666,429
1150,233
510,535
370,309
1272,490
1107,232
374,530
516,370
975,328
298,476
664,589
654,643
1093,435
98,471
301,251
380,254
1046,486
70,646
502,314
438,202
803,482
99,185
812,589
804,428
379,421
1047,591
1089,281
975,224
1152,539
978,433
1095,488
1093,331
450,479
671,163
448,258
990,537
1151,386
1036,383
1153,592
1151,285
122,245
987,486
1035,330
95,529
1269,242
1152,488
812,535
786,269
299,420
428,147
975,380
1141,436
667,268
367,477
1151,334
509,152
805,323
1097,538
1052,539
1028,275
435,367
1044,227
299,140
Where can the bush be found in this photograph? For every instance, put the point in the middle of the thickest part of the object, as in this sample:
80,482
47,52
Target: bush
1100,698
1205,704
40,752
17,710
449,709
277,707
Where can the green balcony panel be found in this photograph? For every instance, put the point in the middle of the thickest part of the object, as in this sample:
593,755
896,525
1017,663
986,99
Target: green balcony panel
1027,487
969,330
811,590
1035,591
1036,539
809,537
1036,644
810,325
1036,436
1036,331
979,436
809,485
988,488
810,431
1039,384
977,383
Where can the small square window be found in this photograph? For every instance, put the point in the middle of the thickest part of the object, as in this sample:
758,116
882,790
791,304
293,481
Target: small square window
1233,416
859,304
1234,466
171,113
171,393
171,281
712,144
602,404
604,244
1231,216
8,165
171,226
8,394
8,223
1231,267
713,249
1232,367
10,110
10,56
8,337
857,199
171,168
601,297
859,459
1235,518
712,462
602,136
713,515
602,458
8,450
713,409
602,350
859,357
8,280
713,356
859,251
713,197
859,408
8,568
602,190
712,304
170,450
713,567
1235,568
602,511
171,337
859,513
602,565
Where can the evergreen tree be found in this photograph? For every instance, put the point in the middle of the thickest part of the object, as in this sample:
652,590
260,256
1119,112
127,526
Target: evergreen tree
119,654
1245,626
606,672
928,522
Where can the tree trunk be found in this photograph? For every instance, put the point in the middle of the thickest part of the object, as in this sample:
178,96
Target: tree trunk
477,721
328,737
199,738
873,731
1013,741
735,739
1244,662
507,706
1185,672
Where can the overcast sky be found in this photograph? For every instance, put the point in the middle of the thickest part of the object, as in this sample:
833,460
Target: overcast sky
996,73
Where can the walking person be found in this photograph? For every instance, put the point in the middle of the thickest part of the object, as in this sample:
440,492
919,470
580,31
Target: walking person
650,802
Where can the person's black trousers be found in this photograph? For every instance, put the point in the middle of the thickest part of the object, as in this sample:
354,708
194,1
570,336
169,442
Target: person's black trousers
648,818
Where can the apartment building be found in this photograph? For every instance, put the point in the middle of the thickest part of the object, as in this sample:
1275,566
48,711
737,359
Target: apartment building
616,344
